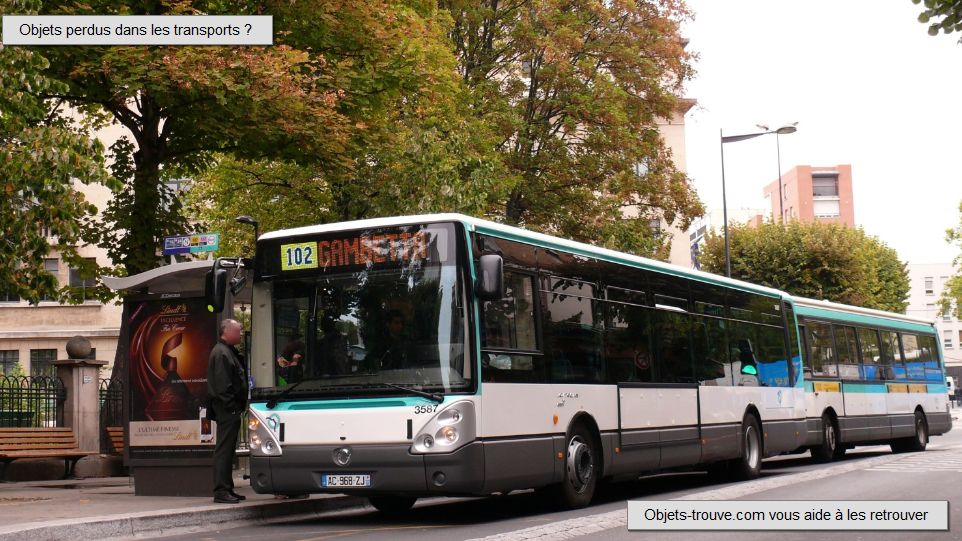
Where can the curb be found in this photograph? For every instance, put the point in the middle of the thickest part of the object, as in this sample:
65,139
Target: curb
177,522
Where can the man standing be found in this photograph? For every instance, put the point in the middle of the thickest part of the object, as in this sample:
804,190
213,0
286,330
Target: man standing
227,389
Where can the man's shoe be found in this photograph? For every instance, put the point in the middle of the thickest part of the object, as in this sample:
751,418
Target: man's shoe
240,497
225,498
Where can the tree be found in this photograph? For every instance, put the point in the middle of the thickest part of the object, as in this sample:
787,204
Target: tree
574,90
421,150
950,301
41,156
304,99
945,15
817,260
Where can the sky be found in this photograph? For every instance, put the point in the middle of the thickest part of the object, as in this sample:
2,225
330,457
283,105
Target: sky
867,85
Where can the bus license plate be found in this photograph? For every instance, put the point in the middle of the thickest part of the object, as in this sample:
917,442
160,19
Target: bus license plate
346,480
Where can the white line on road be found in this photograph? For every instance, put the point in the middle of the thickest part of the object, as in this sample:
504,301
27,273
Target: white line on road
576,527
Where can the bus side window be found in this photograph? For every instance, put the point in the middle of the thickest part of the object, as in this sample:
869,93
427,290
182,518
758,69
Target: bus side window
871,354
848,365
509,333
912,354
891,354
627,351
572,333
821,349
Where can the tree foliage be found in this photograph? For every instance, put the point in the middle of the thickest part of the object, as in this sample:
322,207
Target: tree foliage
306,99
944,15
817,260
574,90
951,300
41,156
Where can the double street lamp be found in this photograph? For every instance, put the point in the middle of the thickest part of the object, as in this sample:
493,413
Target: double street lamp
784,130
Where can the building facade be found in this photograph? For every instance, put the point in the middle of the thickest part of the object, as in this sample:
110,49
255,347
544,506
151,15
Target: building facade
34,336
810,194
927,281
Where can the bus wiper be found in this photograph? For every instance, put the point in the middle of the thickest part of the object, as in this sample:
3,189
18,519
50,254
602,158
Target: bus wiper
437,397
283,394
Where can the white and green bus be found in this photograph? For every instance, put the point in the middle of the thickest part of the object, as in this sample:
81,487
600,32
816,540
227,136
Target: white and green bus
872,377
445,355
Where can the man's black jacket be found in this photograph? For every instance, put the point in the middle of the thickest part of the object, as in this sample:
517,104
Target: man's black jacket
226,378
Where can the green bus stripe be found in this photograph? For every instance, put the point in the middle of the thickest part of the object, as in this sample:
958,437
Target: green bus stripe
861,319
864,387
351,403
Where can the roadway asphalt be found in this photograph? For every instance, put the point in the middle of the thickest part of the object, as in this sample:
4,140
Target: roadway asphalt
871,473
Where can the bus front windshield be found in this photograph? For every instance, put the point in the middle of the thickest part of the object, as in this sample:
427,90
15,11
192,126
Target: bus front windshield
362,330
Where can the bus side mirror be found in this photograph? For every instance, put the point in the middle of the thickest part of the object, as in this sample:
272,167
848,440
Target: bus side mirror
490,282
215,288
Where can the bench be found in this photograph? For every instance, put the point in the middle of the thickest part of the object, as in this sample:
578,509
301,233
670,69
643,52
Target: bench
40,443
115,437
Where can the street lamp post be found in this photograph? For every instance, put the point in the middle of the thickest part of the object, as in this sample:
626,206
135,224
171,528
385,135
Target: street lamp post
245,219
784,130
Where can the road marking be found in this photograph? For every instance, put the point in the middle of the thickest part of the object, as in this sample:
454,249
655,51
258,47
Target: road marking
342,533
950,461
576,527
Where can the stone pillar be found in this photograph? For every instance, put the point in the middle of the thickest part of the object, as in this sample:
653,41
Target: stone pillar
80,377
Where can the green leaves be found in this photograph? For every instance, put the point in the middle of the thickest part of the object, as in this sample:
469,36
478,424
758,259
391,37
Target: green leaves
41,159
573,91
944,15
818,260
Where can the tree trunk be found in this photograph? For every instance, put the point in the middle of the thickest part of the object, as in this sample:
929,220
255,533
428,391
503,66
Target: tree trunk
143,235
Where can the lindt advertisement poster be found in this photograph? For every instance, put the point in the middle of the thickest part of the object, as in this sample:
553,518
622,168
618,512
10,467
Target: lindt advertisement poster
170,341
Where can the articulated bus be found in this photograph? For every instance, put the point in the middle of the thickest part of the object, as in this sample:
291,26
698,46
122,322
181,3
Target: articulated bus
871,377
399,358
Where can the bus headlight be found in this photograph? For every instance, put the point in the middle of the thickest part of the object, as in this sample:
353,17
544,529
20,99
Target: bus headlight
447,435
451,428
261,435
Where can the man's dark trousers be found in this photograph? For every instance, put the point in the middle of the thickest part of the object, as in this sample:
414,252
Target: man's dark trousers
228,426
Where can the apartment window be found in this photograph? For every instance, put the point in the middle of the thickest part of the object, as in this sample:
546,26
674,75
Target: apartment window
79,282
930,307
9,359
41,362
947,317
825,185
828,208
930,285
9,297
655,225
947,339
52,266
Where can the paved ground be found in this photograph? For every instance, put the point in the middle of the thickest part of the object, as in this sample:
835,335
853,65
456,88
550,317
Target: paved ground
106,507
872,473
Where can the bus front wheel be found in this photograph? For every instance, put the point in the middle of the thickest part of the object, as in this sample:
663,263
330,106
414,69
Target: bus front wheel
392,505
749,466
582,459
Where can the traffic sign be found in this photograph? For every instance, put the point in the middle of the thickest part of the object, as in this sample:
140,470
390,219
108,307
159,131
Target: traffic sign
191,244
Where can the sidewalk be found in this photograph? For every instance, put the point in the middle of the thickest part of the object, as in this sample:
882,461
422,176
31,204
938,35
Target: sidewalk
106,508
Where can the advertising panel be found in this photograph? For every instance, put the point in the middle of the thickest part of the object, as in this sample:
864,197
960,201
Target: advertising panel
170,341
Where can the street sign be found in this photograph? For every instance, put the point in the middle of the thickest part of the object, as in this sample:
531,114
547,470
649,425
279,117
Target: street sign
191,244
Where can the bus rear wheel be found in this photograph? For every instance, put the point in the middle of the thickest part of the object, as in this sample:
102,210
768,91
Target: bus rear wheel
582,459
749,466
827,450
919,441
392,505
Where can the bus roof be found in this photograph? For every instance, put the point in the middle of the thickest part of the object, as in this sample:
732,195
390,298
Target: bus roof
856,314
523,235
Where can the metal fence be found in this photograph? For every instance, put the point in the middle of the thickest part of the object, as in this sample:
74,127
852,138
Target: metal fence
111,414
31,401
